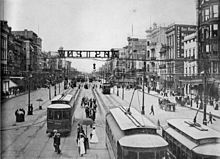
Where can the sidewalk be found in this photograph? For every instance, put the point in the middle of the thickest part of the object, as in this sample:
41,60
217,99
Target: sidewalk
209,108
9,107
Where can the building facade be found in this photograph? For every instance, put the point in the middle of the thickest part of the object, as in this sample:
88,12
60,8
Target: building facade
190,79
208,17
156,74
175,54
137,53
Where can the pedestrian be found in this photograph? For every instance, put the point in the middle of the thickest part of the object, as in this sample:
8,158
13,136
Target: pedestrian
210,117
93,136
86,142
56,141
81,145
152,109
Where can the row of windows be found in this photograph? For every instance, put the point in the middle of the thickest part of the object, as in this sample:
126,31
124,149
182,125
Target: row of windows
211,12
111,138
210,31
190,69
58,115
190,41
190,52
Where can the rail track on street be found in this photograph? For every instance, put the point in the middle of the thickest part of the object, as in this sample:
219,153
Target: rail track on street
23,135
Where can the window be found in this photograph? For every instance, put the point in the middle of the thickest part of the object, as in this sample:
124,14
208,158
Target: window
215,30
129,154
206,14
193,52
57,115
215,67
215,11
50,114
66,115
207,48
146,155
214,47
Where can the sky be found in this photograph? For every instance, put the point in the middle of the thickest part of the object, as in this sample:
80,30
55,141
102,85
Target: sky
93,24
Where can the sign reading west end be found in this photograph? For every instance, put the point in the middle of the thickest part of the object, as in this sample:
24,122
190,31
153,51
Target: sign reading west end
88,54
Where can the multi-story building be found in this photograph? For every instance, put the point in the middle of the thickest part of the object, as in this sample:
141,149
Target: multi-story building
32,46
4,34
156,38
175,53
137,53
190,79
208,18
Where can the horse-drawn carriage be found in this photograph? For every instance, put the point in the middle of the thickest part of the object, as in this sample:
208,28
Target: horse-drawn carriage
166,105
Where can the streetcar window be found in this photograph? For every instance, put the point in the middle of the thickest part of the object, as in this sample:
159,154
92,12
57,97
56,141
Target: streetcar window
160,154
129,154
66,115
50,114
57,115
146,155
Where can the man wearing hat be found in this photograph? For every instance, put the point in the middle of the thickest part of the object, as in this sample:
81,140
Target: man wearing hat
56,141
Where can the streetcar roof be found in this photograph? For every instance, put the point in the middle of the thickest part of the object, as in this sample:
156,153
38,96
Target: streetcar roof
181,138
143,141
61,97
195,132
208,149
130,121
58,106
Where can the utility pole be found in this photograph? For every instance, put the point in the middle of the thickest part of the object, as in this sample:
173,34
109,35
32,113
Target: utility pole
30,108
144,70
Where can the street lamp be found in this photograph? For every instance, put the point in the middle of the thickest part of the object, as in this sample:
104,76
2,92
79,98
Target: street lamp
30,107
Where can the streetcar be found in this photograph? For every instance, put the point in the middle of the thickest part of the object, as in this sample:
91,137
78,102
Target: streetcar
191,140
60,113
106,87
130,135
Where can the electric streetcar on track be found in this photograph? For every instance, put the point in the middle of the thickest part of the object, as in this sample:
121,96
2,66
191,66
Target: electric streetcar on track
130,135
189,140
106,88
60,114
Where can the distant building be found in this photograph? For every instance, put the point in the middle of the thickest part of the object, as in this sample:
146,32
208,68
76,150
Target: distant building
137,52
32,47
175,53
156,40
4,35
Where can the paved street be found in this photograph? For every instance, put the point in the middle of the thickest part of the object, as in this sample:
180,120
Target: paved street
29,139
162,115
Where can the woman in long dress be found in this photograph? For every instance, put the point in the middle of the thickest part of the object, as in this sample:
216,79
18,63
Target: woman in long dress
81,145
94,138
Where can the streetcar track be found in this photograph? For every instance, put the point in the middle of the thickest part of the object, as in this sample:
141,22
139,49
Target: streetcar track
78,92
27,127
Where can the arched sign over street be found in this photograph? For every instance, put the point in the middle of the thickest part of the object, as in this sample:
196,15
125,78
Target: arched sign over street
88,53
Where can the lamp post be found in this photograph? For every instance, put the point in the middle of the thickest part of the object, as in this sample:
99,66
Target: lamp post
205,99
143,80
30,107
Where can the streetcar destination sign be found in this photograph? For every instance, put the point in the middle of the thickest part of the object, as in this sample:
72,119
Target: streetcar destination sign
88,53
